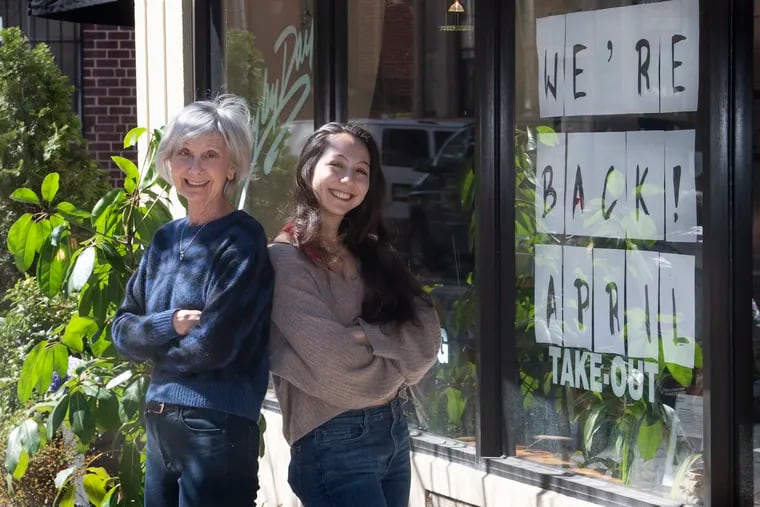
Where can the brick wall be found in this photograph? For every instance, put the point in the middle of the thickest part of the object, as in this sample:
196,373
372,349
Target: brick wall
109,96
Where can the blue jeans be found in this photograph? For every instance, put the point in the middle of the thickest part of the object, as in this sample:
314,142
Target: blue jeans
360,457
199,458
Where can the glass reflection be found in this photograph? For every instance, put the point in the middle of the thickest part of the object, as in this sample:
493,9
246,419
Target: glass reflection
268,57
410,84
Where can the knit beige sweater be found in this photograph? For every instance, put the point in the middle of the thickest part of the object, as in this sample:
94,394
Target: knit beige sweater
319,369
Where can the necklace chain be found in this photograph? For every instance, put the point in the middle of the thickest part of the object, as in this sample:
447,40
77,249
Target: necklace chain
181,235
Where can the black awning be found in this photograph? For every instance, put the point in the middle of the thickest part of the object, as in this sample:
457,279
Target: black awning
107,12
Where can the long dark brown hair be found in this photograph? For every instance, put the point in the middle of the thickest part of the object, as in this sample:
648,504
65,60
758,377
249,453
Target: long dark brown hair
390,288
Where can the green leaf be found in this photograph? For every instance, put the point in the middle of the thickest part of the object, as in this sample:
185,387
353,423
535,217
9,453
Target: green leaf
54,260
133,398
57,416
28,376
130,473
29,436
111,256
68,497
16,457
131,138
83,267
106,410
681,374
77,330
152,219
650,437
119,379
105,202
19,244
698,357
70,211
112,499
455,404
60,355
62,477
591,426
95,482
80,417
25,195
130,170
50,187
22,441
548,135
467,193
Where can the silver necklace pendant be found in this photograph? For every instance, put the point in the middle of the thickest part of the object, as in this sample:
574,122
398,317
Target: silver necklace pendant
181,236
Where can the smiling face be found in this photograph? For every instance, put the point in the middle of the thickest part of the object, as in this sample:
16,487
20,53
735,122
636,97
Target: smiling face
341,177
200,168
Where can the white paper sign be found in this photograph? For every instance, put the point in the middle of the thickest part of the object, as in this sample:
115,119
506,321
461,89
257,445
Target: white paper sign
609,300
639,185
581,58
641,303
548,294
605,185
641,50
677,310
680,187
623,60
690,411
580,158
577,297
679,47
645,172
550,39
550,184
610,24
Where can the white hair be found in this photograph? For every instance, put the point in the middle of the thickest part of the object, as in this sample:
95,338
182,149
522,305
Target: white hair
227,115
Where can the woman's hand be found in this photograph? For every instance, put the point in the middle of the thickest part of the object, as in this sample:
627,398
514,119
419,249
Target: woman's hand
360,336
185,320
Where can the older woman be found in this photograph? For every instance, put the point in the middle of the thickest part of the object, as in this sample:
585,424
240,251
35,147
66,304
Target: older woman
198,309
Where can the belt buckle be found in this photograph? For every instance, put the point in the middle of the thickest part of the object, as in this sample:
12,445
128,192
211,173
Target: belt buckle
155,407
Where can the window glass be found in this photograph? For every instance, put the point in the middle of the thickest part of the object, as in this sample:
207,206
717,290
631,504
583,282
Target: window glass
609,175
268,51
404,147
410,74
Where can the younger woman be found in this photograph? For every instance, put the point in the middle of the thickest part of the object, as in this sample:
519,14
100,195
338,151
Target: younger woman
351,327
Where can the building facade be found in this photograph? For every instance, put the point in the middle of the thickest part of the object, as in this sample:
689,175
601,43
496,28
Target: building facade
99,60
573,181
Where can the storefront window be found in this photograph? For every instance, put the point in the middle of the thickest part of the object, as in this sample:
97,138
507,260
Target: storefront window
410,78
268,52
609,182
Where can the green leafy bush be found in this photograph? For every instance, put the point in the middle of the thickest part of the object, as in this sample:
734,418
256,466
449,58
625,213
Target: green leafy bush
33,317
89,257
39,134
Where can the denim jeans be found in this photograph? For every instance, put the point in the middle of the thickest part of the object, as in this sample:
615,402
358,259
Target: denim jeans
200,458
360,457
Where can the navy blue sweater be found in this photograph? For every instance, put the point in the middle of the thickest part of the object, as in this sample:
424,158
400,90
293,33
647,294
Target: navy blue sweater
222,363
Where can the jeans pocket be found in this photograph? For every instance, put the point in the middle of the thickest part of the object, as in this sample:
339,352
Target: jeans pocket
332,433
203,420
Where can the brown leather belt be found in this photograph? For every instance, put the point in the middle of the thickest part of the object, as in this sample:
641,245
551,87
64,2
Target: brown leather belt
159,407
